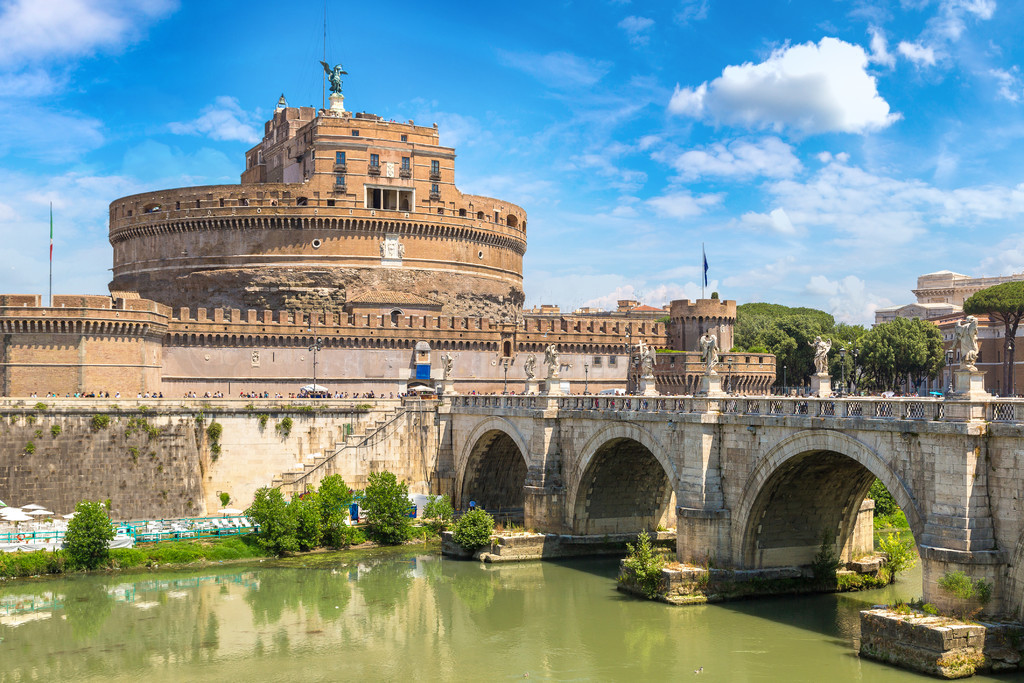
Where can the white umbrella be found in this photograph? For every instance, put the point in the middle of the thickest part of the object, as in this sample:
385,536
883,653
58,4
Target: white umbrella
229,511
33,506
17,516
41,513
314,387
70,516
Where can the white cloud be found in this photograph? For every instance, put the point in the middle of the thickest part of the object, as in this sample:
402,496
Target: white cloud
880,48
808,88
637,29
557,69
776,220
34,30
657,295
46,135
950,23
739,159
223,120
847,299
692,10
682,204
28,84
1009,84
917,53
1005,258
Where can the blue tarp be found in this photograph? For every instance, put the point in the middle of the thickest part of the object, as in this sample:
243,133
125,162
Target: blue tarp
423,371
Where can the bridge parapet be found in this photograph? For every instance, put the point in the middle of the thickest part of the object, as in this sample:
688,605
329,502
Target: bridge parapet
871,407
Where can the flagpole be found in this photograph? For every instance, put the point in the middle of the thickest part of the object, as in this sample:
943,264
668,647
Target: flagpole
703,269
51,254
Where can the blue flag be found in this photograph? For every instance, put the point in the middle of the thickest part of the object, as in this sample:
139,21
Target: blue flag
705,266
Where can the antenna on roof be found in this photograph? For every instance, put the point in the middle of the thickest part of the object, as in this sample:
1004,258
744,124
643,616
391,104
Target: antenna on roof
323,85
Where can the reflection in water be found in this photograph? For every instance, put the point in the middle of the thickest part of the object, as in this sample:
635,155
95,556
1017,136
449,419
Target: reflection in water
399,615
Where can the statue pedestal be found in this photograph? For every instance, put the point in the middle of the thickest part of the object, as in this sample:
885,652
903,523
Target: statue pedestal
553,386
447,386
532,387
711,385
647,387
337,103
821,385
963,403
968,384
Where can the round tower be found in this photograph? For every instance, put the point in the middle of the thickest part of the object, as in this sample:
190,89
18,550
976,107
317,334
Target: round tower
689,321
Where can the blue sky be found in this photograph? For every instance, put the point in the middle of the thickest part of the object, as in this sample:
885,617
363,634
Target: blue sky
827,153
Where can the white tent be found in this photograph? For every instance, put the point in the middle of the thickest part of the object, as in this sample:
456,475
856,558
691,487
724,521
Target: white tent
314,387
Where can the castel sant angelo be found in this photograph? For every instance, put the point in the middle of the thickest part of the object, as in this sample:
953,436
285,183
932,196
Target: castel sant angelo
346,253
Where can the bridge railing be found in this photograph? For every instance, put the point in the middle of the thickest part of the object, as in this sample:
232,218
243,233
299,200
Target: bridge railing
870,407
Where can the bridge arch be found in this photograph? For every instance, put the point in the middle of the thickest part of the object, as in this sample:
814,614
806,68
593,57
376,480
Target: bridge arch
492,468
624,483
820,475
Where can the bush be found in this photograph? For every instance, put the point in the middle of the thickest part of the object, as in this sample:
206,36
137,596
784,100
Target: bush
126,558
35,563
284,427
335,499
262,418
438,513
55,431
900,554
386,504
473,530
214,430
276,522
225,498
964,587
41,406
99,422
30,448
308,530
826,562
645,565
88,534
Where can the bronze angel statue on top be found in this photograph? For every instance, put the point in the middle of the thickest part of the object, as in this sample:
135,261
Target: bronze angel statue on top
334,76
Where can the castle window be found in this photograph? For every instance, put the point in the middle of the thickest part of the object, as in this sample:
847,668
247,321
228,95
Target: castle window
394,316
405,162
497,218
434,189
405,138
355,133
222,202
440,210
611,361
462,213
330,202
435,167
597,361
177,205
339,180
479,215
374,160
339,157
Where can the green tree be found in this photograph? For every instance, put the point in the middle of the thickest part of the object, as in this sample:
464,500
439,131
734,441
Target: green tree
900,349
335,499
1004,303
439,513
308,526
645,565
88,535
386,504
785,332
473,530
276,523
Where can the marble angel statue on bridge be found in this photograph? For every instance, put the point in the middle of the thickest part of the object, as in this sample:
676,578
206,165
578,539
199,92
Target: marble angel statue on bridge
965,337
821,349
551,358
709,352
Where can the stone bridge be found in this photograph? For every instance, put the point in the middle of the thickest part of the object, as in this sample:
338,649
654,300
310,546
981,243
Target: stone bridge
756,482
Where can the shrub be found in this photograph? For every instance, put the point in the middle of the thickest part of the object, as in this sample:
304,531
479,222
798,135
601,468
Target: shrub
645,565
386,503
277,524
88,534
41,406
473,530
826,562
225,498
284,427
964,587
214,430
438,513
262,418
335,499
308,529
55,431
32,564
126,558
30,448
100,422
900,554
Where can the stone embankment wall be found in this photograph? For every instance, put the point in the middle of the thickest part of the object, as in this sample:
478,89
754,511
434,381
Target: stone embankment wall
156,459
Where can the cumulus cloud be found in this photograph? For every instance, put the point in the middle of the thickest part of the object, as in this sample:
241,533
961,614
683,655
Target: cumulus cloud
1009,84
880,48
848,299
31,31
739,159
222,120
776,220
683,204
657,295
919,54
810,88
1005,258
557,69
637,29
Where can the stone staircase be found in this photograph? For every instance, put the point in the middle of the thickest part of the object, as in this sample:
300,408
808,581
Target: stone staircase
309,472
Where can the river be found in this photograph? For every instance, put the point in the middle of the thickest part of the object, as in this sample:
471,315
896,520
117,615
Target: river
404,614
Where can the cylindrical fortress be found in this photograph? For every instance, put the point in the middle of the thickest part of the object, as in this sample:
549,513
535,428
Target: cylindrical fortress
689,321
331,206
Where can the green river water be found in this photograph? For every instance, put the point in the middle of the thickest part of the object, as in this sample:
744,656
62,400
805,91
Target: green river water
405,615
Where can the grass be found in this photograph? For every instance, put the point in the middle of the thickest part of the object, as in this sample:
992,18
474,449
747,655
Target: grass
40,562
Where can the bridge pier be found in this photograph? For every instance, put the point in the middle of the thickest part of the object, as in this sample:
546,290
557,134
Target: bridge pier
704,536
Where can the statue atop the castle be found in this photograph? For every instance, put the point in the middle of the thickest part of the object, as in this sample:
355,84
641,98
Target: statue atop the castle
334,76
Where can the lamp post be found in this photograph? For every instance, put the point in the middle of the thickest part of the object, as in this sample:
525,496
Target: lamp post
315,347
842,359
504,388
783,380
586,377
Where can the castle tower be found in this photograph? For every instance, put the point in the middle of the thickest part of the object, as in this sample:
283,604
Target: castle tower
689,321
331,205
